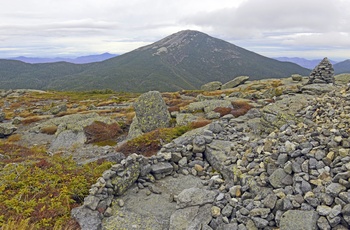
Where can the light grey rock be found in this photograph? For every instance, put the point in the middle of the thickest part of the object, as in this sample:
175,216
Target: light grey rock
190,218
334,189
297,77
336,210
134,130
227,210
58,109
323,210
185,118
198,144
151,111
235,82
91,202
276,178
317,89
297,219
323,224
87,219
260,223
162,168
195,196
211,86
67,139
259,212
207,106
6,129
215,127
216,155
270,201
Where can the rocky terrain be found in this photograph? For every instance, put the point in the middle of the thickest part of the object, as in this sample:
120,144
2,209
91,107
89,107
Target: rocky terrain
275,154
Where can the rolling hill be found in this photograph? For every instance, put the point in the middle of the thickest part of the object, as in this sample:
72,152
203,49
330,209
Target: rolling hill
342,67
184,60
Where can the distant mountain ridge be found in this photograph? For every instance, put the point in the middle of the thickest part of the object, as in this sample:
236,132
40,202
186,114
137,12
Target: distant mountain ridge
342,67
309,64
184,60
77,60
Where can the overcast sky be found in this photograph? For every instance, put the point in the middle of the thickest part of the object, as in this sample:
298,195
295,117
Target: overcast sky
273,28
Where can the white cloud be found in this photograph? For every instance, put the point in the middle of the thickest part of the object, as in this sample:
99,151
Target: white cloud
75,27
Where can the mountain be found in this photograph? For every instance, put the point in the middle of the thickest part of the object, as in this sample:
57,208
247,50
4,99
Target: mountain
184,60
309,64
342,67
78,60
20,75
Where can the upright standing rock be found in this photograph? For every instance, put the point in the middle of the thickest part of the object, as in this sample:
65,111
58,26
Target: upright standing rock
323,73
151,113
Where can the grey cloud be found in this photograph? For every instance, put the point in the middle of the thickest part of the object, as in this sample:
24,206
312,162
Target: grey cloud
256,17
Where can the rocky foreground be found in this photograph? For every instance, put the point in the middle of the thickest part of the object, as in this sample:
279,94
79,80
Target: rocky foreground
284,164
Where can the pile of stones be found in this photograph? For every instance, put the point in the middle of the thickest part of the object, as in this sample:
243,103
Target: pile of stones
294,177
323,73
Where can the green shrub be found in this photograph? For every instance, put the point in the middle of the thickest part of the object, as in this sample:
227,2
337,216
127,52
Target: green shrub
41,190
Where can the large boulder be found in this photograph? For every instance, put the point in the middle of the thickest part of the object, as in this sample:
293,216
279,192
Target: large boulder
235,82
151,112
323,73
87,218
211,86
317,89
67,139
7,129
207,106
193,217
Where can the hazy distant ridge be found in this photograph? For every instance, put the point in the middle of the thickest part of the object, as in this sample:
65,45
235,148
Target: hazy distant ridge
78,60
309,64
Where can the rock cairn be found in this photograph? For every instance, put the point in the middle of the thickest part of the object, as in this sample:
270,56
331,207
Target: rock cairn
295,177
323,73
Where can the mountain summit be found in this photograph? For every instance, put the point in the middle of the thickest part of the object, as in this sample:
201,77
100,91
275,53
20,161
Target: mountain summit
184,60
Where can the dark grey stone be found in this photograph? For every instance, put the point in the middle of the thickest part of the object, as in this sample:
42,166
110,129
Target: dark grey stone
162,168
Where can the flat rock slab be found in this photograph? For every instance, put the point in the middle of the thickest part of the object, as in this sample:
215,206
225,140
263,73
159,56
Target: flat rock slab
297,219
144,211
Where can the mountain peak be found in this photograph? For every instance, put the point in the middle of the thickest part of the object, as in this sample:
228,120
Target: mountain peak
179,39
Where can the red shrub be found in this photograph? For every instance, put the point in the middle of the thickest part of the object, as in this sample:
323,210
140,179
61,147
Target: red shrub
223,111
200,123
240,108
99,131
